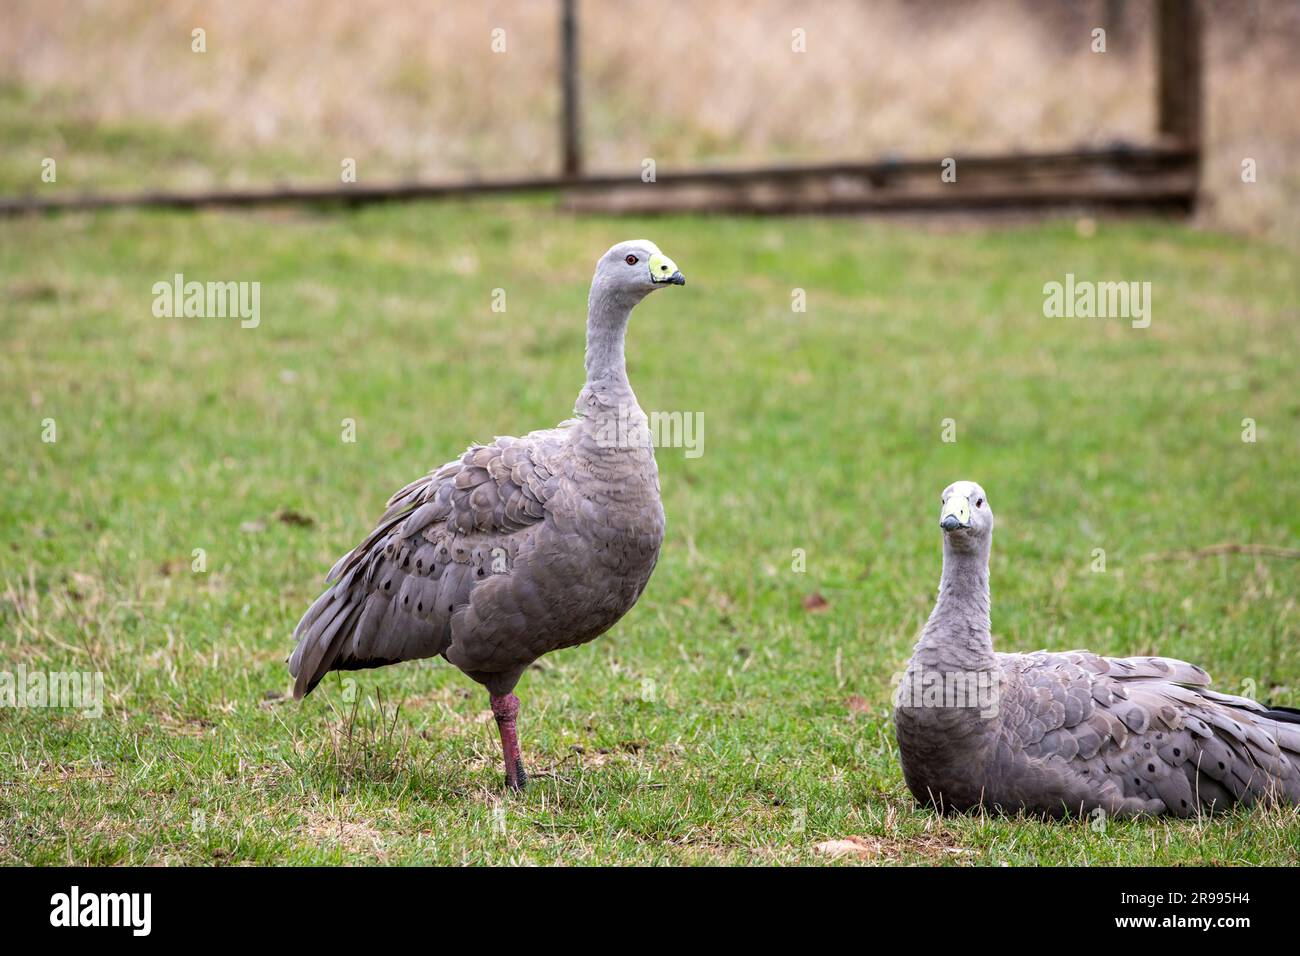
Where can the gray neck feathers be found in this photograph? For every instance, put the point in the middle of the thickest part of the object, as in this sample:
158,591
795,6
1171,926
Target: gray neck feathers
607,386
957,636
614,440
946,742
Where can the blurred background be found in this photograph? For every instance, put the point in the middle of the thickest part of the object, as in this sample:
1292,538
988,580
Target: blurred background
416,91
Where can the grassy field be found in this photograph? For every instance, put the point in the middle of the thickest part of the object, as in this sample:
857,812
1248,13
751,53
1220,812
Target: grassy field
733,716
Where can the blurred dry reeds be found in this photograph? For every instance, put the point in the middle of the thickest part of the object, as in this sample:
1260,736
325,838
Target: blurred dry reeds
416,89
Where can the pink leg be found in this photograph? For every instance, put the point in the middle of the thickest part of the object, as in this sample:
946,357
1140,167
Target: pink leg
505,709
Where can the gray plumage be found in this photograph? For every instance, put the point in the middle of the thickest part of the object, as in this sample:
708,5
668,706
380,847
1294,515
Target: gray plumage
1065,733
519,547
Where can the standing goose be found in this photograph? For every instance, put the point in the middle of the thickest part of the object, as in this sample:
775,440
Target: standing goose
1065,733
517,548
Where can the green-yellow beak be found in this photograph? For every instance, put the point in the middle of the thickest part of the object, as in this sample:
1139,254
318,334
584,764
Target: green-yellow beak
955,513
663,269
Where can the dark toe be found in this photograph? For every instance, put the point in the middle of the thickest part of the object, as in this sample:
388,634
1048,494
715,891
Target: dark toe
517,781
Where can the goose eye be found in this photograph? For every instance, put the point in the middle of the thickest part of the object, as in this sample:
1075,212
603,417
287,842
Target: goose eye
630,260
979,503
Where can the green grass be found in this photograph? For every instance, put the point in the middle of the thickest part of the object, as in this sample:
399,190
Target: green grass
769,728
134,155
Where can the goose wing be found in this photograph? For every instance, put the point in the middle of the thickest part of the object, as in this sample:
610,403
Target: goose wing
1149,732
393,597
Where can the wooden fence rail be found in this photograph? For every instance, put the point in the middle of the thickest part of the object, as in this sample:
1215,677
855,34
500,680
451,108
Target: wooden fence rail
1161,176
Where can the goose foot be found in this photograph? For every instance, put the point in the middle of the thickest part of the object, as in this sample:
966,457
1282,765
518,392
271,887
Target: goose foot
506,710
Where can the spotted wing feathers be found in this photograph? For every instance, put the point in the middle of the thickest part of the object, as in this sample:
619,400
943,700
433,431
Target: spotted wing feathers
394,596
1145,734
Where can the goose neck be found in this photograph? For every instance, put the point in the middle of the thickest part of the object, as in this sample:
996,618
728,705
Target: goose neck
957,635
607,318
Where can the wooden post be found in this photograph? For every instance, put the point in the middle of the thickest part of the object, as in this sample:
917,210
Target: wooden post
1116,24
571,161
1178,39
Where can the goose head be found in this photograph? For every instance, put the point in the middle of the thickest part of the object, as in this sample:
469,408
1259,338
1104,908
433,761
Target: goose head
966,517
635,268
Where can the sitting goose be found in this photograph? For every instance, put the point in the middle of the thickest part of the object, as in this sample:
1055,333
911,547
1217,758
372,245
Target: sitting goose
1057,734
517,548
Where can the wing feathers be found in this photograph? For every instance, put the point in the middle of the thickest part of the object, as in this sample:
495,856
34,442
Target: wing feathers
394,597
1151,727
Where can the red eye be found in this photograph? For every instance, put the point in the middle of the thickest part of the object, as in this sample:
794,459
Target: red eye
630,260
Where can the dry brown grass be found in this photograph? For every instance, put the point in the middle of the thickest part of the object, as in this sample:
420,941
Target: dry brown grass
414,89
